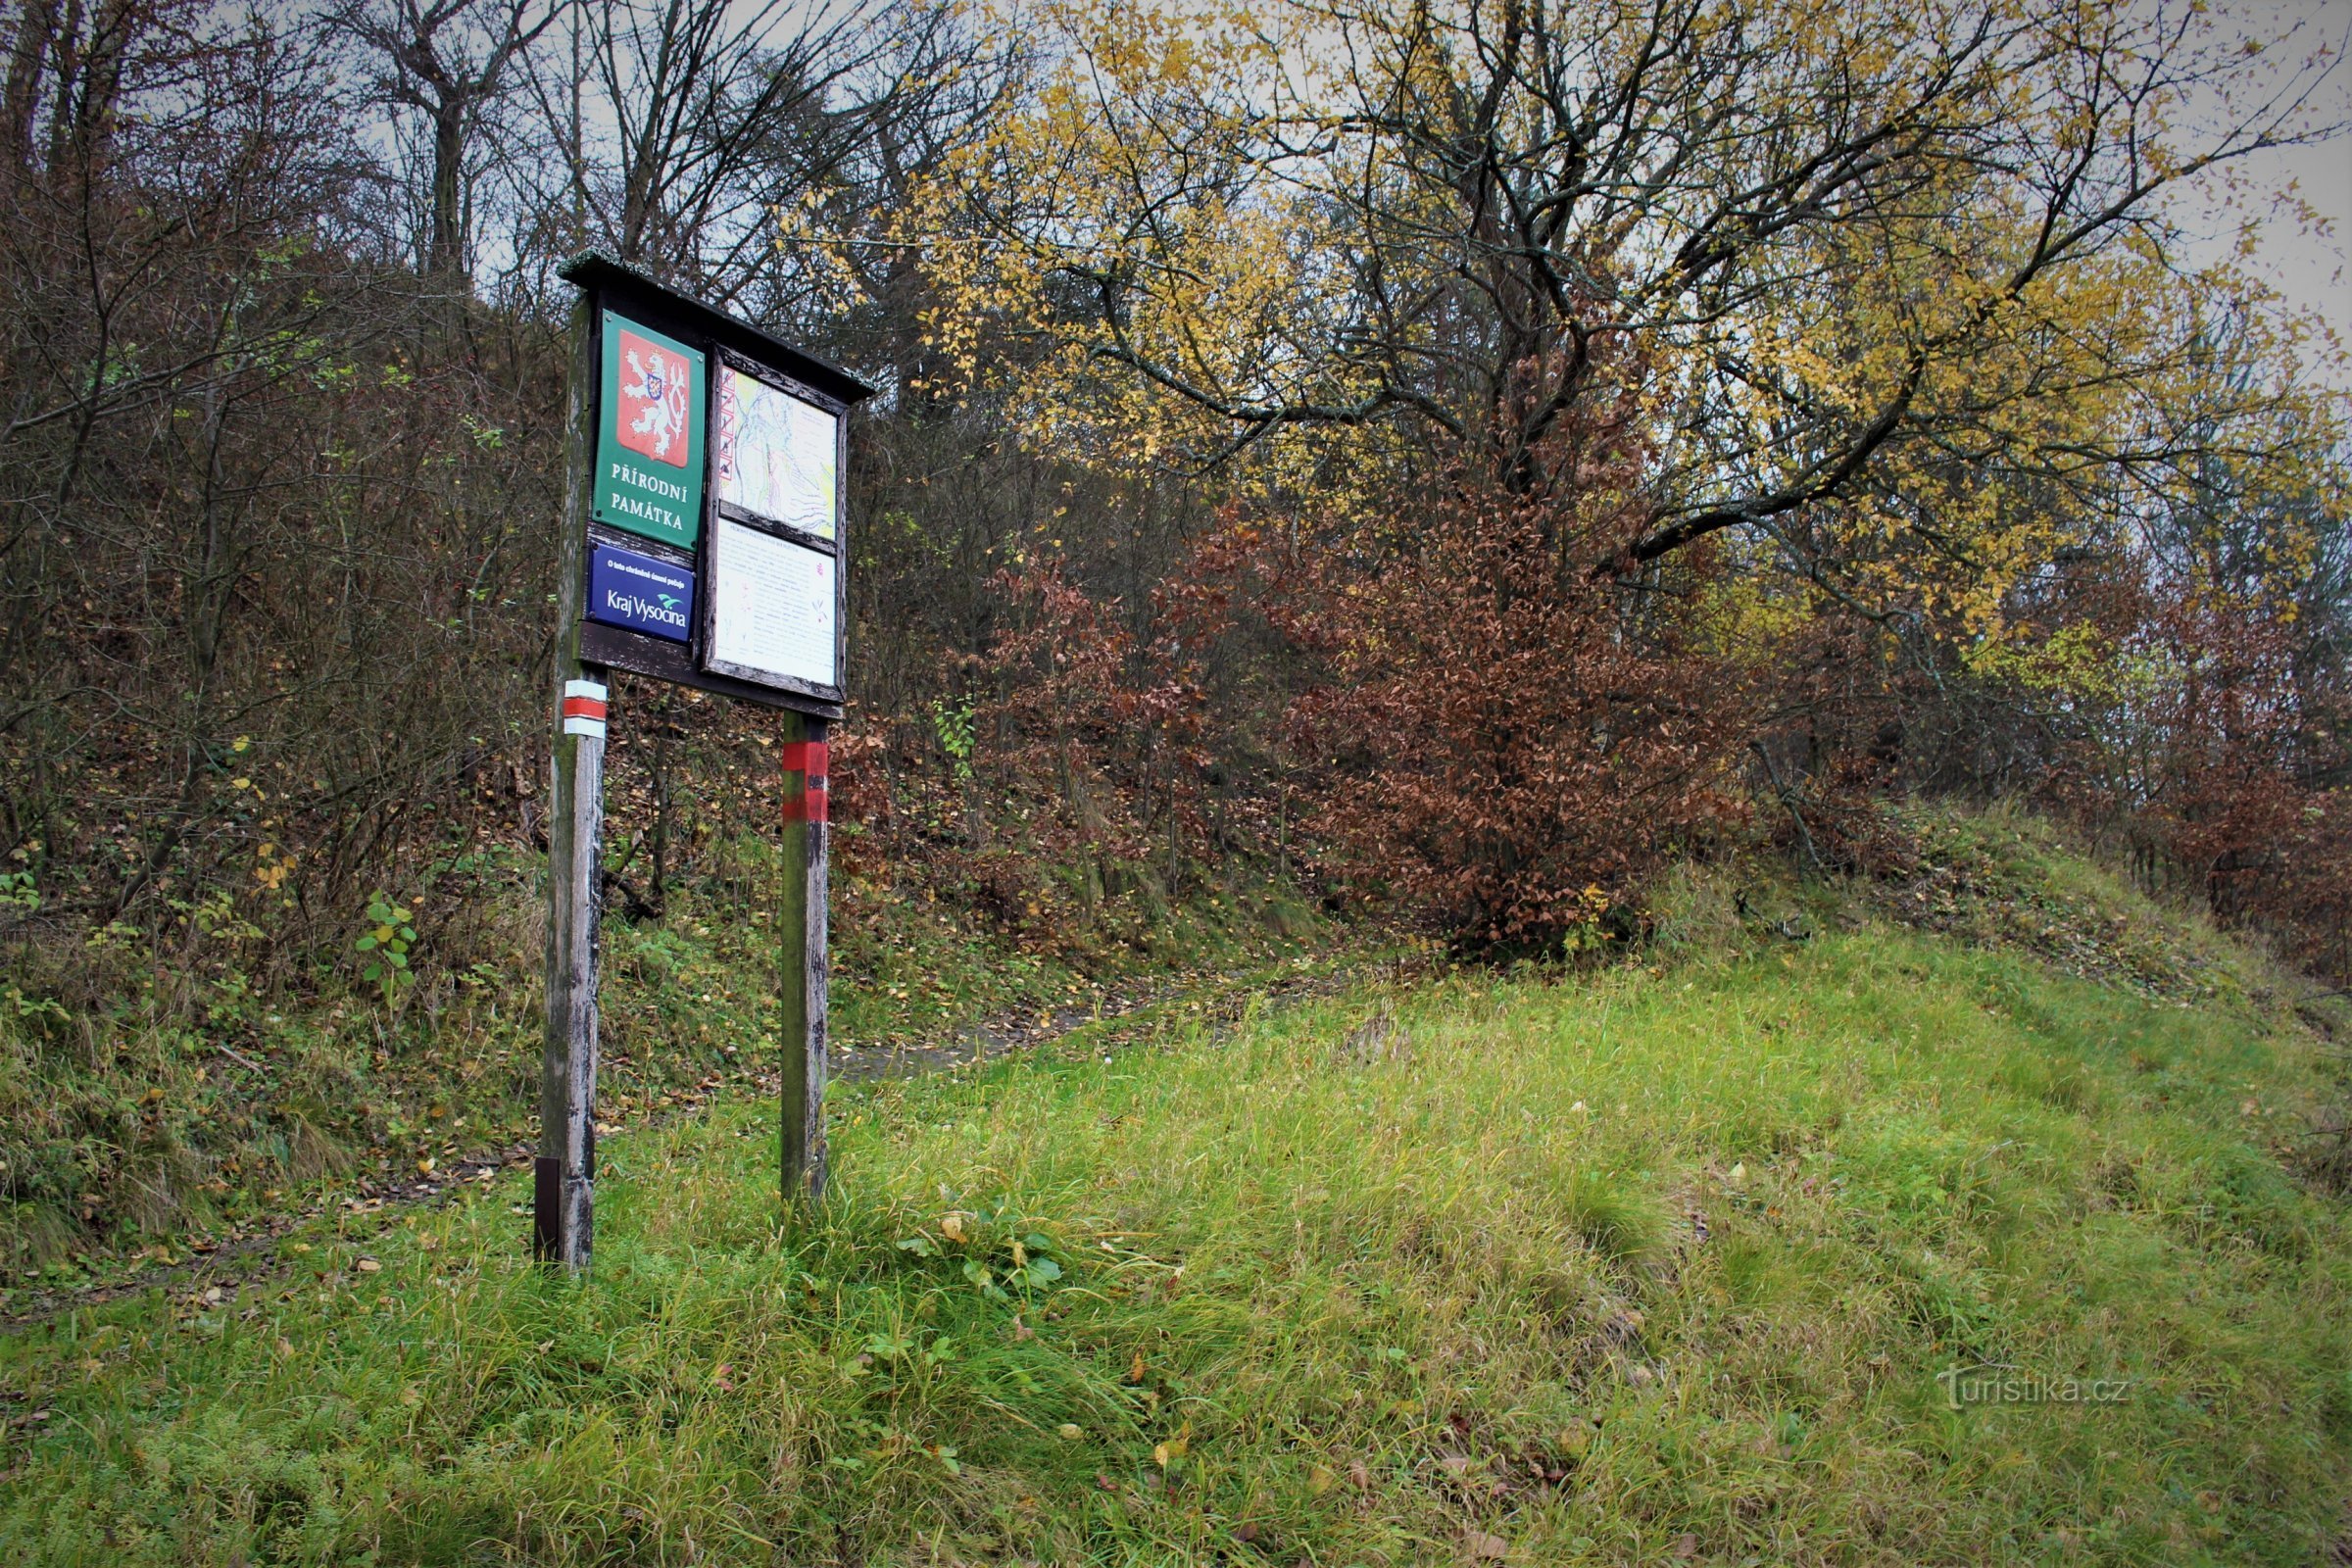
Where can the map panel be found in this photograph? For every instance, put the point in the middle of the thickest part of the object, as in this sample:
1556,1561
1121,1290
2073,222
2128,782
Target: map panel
778,456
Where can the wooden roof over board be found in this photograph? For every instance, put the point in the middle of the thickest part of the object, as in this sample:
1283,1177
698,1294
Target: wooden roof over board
597,271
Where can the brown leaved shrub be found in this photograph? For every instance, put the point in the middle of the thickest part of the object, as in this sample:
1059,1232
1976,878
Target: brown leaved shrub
1512,732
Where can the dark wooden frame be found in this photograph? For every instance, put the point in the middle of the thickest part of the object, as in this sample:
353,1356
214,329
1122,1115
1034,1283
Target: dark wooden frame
725,341
716,511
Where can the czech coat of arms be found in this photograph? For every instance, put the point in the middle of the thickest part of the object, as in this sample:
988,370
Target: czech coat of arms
654,419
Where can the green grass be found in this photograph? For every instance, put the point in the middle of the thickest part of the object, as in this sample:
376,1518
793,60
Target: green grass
1323,1304
183,1098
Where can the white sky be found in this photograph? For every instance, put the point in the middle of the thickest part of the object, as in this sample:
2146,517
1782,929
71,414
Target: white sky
2311,266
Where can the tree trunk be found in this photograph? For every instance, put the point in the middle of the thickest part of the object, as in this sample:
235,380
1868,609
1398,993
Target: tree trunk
36,34
445,248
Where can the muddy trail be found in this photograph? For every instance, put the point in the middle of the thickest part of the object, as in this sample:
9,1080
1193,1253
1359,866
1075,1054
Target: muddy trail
215,1267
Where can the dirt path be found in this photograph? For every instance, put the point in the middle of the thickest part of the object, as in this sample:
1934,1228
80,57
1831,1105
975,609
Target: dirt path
247,1258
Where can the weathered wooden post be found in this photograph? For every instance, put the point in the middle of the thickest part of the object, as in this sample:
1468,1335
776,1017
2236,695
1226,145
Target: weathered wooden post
564,1173
704,541
805,979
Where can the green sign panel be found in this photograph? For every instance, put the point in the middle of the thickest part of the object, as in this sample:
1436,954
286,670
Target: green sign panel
649,437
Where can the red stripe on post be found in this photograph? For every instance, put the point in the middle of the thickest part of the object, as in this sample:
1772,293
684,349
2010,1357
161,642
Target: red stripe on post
584,708
808,806
809,759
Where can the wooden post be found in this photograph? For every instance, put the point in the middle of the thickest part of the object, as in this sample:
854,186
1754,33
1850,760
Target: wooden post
563,1208
804,978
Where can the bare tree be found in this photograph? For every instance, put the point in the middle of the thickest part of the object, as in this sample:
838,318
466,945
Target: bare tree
447,60
668,112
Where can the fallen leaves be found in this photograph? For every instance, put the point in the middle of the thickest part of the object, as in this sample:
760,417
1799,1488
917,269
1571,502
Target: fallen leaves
1163,1454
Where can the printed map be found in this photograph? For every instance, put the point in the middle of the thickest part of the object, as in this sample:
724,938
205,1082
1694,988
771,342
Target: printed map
778,456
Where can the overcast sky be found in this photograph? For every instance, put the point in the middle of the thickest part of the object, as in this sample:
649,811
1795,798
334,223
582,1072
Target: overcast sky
2312,268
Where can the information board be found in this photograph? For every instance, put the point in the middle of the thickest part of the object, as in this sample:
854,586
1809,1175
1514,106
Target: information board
774,608
704,543
778,456
692,419
648,462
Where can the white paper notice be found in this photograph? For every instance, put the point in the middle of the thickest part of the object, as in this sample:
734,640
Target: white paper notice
772,608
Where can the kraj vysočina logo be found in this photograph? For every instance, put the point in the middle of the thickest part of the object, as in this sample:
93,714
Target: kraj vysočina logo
664,610
627,589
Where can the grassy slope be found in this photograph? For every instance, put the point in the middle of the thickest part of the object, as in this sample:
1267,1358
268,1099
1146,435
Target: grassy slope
1317,1301
192,1103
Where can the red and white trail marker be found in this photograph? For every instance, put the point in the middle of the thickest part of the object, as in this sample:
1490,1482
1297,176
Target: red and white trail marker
585,708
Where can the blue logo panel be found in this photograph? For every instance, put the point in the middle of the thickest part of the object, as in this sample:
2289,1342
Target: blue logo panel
627,589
